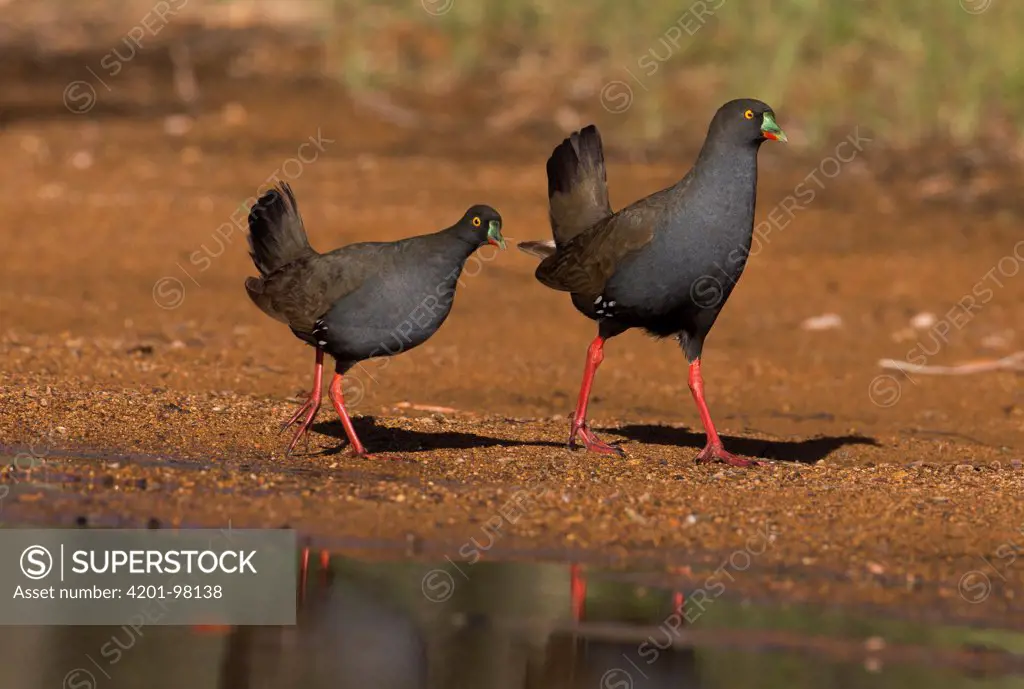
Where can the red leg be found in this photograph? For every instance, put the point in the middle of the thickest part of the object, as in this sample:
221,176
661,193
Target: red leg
713,451
325,566
339,406
310,407
595,355
577,592
303,573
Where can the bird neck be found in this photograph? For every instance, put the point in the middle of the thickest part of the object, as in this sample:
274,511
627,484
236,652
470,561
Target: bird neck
723,166
718,154
461,241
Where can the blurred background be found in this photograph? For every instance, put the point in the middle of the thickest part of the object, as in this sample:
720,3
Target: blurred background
945,72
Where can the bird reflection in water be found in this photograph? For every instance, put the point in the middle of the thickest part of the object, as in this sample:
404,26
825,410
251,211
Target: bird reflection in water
346,637
351,636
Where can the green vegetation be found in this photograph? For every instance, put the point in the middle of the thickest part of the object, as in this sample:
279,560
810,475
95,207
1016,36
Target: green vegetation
907,70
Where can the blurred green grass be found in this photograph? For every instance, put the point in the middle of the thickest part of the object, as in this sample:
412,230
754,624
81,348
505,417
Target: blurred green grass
910,70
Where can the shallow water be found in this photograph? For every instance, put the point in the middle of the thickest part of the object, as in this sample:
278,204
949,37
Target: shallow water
489,625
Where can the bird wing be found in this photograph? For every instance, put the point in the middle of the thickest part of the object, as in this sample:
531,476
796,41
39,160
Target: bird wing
587,261
302,291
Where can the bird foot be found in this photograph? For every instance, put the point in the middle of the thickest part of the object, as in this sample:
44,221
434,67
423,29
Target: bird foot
355,451
716,453
309,408
303,409
591,442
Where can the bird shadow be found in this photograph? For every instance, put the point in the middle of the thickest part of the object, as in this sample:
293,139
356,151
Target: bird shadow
378,438
806,451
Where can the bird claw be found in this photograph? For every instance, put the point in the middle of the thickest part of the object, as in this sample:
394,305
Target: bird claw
310,408
303,408
716,453
355,452
591,442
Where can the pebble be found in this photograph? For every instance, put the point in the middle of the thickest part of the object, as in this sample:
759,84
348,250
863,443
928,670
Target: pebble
234,114
634,516
828,321
82,160
177,125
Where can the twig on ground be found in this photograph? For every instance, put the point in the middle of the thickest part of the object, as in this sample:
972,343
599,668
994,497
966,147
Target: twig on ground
1013,362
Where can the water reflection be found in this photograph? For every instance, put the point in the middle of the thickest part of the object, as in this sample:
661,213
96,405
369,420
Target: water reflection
455,626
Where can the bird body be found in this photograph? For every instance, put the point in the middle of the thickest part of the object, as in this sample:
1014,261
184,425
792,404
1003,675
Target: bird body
361,301
666,263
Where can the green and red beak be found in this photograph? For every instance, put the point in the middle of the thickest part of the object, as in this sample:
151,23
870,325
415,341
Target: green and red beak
494,234
771,130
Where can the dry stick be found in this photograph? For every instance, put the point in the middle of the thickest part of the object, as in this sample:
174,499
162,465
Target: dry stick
1013,362
431,408
386,109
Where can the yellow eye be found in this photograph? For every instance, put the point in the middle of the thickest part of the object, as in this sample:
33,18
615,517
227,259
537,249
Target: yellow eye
476,221
749,114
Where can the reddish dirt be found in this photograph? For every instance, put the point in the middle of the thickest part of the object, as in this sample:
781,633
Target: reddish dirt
885,490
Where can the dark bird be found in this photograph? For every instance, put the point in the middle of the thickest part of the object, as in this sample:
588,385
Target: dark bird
362,301
668,262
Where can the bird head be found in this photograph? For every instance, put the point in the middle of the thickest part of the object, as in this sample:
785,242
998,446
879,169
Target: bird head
485,223
747,120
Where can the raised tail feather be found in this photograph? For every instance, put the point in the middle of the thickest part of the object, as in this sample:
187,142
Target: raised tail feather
577,185
276,233
540,249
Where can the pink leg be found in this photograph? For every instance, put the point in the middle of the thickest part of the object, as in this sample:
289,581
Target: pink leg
339,406
310,407
713,451
325,566
303,573
595,355
577,592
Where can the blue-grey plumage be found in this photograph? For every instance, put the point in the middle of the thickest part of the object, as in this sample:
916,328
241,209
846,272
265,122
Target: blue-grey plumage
666,263
352,637
365,300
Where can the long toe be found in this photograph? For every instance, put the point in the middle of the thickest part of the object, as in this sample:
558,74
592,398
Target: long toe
295,440
300,431
356,450
303,428
360,452
594,444
294,418
716,453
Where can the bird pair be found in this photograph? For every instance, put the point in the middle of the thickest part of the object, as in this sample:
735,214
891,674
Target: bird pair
665,264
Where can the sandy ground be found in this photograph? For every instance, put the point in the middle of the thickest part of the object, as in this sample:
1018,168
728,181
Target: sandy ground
125,333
